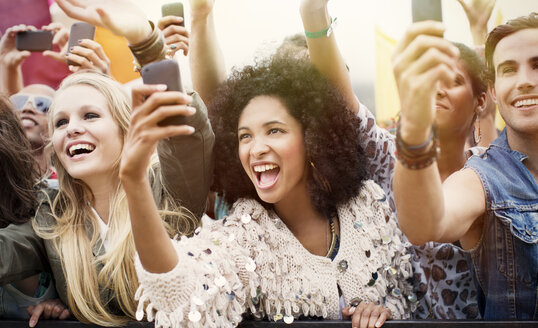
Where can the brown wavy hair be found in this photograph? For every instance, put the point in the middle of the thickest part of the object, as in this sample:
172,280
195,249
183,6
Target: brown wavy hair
331,130
18,169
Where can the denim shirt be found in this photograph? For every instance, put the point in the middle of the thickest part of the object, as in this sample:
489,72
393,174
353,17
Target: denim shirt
505,261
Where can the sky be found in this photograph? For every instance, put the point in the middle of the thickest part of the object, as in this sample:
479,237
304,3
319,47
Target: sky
250,28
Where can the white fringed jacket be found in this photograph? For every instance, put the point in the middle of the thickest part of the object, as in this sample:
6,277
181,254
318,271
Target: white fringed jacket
250,260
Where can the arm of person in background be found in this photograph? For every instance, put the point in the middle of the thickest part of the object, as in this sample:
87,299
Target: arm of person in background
11,60
478,13
323,49
206,60
378,143
428,210
121,17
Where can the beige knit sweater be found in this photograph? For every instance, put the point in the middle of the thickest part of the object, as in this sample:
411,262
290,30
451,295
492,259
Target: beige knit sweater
251,261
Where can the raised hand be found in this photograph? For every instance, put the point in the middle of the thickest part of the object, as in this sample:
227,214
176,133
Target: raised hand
122,17
422,59
478,13
9,55
89,55
145,131
61,37
176,37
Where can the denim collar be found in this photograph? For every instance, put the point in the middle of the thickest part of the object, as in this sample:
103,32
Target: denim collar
502,142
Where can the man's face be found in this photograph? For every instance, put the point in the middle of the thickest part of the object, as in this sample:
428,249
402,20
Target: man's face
516,81
32,104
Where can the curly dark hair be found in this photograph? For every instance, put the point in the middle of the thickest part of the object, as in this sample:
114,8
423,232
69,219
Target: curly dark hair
331,130
18,169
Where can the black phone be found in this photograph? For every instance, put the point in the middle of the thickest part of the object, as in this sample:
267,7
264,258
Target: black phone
173,9
34,40
79,31
165,72
427,10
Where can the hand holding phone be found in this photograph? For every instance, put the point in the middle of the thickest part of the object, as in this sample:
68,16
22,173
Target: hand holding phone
36,41
165,72
427,10
79,31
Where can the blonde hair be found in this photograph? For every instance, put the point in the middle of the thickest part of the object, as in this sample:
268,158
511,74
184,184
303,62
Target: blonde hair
73,216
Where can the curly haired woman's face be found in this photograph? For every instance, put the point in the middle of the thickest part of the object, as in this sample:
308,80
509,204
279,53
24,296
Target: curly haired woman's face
272,149
86,138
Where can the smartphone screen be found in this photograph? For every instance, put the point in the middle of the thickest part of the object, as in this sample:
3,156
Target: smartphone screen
165,72
34,40
173,9
427,10
79,31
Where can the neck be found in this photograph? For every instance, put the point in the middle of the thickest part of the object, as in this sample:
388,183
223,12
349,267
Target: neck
451,156
528,145
306,224
102,191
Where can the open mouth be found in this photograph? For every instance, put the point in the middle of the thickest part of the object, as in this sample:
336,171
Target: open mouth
266,174
525,103
28,123
80,149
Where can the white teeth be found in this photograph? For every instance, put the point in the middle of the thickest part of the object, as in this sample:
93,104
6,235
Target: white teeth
526,102
264,167
76,147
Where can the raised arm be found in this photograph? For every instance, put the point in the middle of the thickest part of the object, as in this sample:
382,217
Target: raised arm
426,209
478,13
206,59
323,49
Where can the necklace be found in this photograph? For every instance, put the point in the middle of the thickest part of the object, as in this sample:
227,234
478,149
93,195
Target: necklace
333,238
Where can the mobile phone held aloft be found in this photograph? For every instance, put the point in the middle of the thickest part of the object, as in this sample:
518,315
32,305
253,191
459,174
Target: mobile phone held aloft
79,31
427,10
173,9
165,72
34,40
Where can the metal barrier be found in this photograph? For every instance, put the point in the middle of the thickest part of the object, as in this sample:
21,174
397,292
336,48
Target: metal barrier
302,324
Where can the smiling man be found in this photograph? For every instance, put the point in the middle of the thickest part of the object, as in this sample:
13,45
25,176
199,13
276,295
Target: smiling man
32,104
490,206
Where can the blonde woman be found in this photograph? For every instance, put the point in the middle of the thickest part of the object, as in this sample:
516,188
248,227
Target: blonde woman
82,233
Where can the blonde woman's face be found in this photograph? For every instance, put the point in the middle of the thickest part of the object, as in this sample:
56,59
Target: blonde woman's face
85,136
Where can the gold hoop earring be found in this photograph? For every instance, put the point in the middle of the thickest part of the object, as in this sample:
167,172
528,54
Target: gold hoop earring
476,137
320,180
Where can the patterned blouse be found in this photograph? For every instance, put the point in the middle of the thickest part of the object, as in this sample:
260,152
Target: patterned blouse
443,281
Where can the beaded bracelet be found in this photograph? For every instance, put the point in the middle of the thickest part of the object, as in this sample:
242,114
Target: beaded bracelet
416,157
325,32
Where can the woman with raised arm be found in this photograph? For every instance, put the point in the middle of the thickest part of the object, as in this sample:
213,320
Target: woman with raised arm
81,233
305,237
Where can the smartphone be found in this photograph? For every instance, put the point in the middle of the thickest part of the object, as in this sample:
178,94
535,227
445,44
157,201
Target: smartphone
173,9
79,31
34,40
427,10
165,72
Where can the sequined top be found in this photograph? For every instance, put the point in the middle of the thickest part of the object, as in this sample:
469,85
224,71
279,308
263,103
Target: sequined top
251,262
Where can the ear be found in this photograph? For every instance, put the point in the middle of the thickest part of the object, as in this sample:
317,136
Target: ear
481,104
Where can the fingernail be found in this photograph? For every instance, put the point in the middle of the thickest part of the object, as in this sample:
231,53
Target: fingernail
162,87
32,323
378,324
191,129
79,41
352,310
192,110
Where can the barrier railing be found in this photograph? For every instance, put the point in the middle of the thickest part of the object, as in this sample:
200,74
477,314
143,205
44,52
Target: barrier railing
302,324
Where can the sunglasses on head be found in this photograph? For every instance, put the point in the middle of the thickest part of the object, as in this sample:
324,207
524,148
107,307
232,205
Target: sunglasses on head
41,103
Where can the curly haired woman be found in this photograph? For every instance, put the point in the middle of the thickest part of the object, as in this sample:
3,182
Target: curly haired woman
305,237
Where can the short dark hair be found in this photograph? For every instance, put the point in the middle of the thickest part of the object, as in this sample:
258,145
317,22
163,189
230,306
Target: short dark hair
331,130
18,169
475,67
502,31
